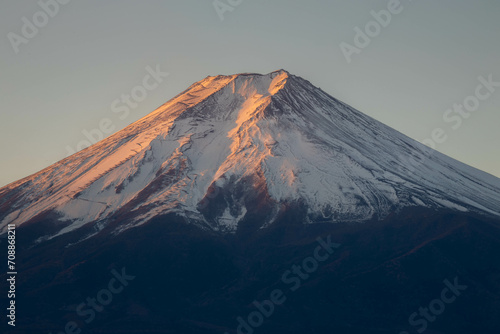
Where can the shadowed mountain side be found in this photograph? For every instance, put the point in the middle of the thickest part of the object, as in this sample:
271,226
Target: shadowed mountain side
193,280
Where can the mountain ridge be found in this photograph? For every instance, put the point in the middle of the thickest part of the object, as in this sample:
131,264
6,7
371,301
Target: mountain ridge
276,134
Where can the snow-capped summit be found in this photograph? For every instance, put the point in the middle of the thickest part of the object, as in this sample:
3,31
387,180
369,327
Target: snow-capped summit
228,142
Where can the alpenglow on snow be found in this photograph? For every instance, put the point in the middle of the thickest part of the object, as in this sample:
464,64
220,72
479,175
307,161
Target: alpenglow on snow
241,139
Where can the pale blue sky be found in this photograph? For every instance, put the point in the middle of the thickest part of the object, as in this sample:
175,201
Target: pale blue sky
65,78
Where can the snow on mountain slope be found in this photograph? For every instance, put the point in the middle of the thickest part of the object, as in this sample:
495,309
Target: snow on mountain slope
276,134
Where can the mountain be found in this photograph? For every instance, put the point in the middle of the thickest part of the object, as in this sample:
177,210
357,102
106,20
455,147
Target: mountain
249,140
256,203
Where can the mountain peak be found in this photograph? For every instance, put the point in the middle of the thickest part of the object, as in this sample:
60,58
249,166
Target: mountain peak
253,86
248,74
257,141
263,84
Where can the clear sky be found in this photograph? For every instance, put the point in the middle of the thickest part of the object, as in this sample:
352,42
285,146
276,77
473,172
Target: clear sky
61,78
